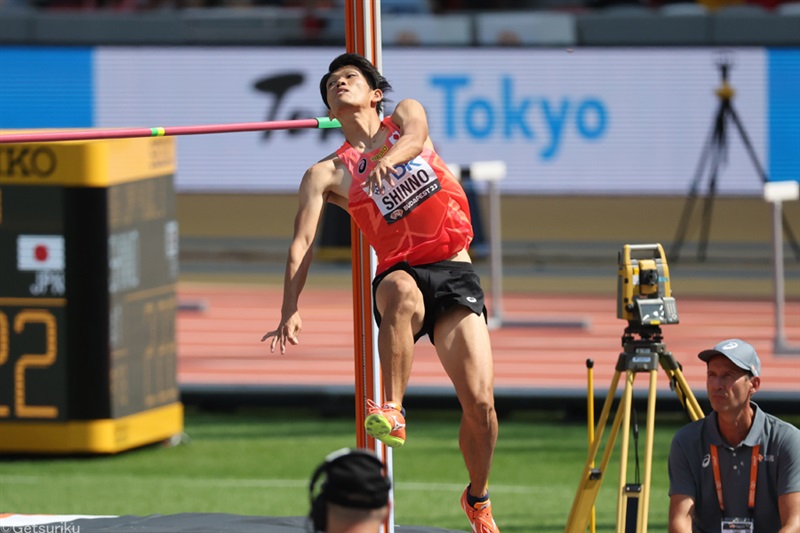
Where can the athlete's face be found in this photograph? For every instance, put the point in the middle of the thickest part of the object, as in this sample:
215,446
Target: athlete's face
347,87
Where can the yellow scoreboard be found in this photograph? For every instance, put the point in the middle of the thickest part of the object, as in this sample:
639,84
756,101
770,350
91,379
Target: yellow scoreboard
88,271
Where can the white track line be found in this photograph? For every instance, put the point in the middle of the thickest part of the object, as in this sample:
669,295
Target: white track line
413,486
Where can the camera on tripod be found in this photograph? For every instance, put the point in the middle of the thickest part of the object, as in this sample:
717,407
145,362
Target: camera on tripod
724,61
644,297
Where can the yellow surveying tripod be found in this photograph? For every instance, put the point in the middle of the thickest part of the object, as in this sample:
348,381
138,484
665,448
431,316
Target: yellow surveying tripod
645,301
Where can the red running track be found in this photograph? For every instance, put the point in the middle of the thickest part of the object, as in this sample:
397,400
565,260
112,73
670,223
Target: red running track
220,344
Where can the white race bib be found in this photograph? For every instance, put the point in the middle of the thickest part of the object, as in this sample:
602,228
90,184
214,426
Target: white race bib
414,182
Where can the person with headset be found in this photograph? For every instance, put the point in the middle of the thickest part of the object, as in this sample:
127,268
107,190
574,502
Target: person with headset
349,493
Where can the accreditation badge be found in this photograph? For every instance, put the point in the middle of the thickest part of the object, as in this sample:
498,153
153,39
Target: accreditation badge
737,525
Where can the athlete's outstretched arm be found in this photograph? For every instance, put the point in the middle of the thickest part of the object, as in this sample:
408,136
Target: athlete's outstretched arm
311,201
410,117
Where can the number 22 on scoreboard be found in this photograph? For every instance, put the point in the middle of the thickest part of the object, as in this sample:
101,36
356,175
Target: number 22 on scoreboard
22,320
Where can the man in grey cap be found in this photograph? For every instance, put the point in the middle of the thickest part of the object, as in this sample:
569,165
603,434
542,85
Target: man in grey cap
737,470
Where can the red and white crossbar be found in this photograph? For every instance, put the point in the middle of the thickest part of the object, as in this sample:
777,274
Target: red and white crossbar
127,133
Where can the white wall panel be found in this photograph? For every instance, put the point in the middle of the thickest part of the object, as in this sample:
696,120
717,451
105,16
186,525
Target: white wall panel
594,121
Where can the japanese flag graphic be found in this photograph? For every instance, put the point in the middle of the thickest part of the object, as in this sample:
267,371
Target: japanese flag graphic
40,252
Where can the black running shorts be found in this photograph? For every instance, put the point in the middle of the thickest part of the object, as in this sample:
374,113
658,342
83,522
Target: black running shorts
443,285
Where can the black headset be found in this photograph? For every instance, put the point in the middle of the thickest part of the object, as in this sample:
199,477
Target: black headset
318,514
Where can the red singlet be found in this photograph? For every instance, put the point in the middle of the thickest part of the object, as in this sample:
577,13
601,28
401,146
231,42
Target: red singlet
423,218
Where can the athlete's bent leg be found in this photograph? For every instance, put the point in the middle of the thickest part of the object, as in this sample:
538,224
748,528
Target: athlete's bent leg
399,302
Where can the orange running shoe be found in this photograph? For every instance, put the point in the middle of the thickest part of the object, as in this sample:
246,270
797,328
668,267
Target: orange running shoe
480,517
387,424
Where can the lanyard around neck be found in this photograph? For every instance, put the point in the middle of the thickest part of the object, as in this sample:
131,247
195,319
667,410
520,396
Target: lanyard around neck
751,499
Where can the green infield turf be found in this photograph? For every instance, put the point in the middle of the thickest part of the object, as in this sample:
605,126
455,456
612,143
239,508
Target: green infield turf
258,462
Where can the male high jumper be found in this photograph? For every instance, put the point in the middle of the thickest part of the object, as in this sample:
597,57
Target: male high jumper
414,213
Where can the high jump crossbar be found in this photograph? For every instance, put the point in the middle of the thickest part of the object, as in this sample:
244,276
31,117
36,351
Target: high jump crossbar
127,133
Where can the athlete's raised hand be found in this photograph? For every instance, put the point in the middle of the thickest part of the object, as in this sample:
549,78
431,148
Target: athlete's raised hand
380,176
287,331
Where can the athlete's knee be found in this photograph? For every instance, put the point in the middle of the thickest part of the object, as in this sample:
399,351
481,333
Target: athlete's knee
481,411
399,295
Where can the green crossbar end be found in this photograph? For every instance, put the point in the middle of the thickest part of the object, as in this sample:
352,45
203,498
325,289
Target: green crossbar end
326,123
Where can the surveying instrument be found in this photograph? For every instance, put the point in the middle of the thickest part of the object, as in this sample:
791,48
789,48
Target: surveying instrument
644,299
714,154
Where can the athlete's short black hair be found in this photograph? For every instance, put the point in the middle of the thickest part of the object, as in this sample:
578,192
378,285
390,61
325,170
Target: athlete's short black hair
373,76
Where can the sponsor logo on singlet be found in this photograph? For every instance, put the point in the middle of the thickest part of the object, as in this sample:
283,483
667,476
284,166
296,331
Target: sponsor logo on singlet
380,153
414,182
391,139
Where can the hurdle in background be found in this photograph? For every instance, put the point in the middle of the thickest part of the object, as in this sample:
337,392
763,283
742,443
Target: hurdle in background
492,173
777,192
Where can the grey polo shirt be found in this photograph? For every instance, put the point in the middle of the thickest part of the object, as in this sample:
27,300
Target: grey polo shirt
691,473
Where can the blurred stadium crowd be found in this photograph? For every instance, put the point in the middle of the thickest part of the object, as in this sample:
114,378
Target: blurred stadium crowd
563,23
319,8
